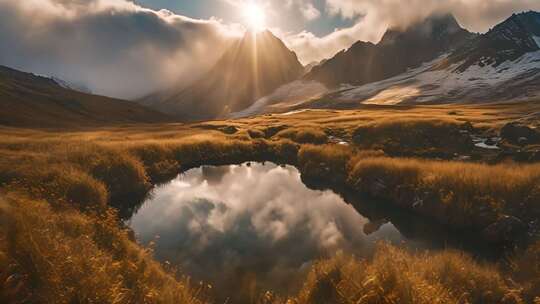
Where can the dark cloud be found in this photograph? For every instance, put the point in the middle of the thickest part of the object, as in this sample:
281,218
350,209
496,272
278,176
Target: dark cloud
114,47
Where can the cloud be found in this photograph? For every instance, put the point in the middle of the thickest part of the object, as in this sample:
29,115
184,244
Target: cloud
118,48
220,223
312,48
373,17
476,15
114,47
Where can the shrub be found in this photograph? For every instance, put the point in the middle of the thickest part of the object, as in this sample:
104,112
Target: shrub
304,135
158,161
123,175
411,137
324,163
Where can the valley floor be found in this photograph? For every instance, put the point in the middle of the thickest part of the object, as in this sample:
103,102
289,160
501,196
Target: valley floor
62,193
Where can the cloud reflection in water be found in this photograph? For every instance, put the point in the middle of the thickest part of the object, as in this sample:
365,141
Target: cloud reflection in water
235,224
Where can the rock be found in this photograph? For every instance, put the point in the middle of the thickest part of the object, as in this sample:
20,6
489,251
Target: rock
522,141
506,229
515,133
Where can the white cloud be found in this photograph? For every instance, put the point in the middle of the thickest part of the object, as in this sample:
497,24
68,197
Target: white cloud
114,47
476,15
375,16
121,49
310,12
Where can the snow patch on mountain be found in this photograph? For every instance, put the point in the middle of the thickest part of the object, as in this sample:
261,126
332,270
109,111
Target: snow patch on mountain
428,84
285,96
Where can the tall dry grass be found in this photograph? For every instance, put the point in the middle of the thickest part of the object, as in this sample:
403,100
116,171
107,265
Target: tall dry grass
457,194
46,242
416,137
396,276
461,195
65,256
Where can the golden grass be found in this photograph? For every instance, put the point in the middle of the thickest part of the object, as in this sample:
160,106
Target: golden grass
412,137
458,194
396,276
526,271
48,177
304,135
64,256
461,195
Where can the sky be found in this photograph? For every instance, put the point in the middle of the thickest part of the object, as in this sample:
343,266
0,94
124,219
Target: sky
323,24
128,49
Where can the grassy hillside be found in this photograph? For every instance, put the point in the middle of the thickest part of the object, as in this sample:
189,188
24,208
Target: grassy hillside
61,192
31,101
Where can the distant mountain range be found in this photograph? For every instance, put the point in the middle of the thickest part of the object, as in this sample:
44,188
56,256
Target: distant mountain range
251,68
397,51
500,65
433,61
28,100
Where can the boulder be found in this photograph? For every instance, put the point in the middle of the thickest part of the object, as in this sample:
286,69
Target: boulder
505,230
517,133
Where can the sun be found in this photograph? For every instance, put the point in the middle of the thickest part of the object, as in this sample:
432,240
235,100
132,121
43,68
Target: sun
255,17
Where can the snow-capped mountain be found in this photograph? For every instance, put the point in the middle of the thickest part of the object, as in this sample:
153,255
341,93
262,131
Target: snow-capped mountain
508,41
398,50
500,65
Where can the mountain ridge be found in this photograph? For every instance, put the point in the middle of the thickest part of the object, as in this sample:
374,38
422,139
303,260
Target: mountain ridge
253,67
397,51
28,100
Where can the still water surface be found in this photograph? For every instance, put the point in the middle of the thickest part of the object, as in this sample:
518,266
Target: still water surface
250,228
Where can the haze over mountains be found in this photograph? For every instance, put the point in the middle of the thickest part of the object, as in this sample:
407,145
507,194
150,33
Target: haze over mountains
28,100
253,67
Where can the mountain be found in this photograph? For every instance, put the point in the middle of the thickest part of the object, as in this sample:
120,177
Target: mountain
27,100
397,51
71,86
500,65
251,68
508,41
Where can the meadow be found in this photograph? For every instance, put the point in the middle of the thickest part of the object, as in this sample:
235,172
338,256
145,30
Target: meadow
63,193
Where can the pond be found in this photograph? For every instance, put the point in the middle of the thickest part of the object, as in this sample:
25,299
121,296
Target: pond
254,227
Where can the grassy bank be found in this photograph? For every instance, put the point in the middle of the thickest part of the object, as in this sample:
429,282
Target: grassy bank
61,191
52,256
396,276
